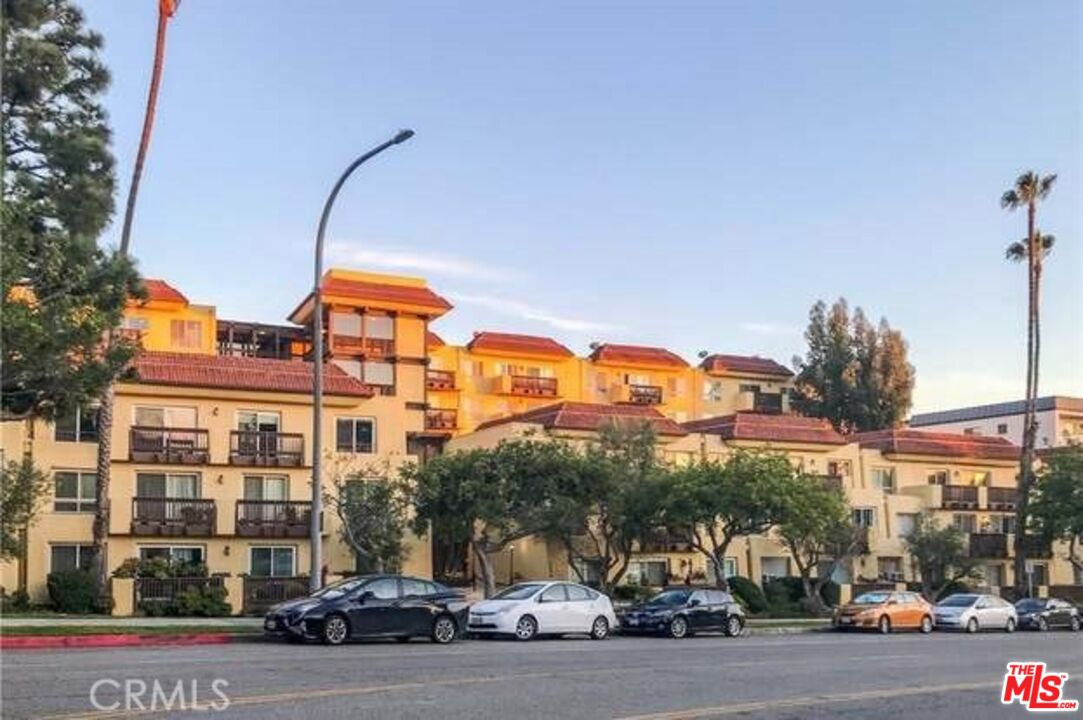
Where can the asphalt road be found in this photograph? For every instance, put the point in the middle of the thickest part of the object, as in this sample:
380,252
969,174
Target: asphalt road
816,675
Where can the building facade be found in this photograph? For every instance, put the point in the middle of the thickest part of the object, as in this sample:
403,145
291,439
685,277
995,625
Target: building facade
1060,420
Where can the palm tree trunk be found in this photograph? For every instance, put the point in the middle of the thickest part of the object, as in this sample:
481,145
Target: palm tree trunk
1026,461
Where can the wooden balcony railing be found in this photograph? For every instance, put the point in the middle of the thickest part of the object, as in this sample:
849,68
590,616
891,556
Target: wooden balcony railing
1037,547
645,394
273,518
441,419
173,516
150,592
535,386
1001,498
176,446
439,380
767,403
988,545
373,347
250,447
959,497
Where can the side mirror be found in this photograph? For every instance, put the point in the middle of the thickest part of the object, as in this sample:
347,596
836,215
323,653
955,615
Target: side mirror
364,597
694,603
892,601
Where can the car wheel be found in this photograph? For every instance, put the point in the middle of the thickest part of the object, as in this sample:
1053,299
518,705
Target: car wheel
444,630
1043,624
1010,625
599,629
526,628
972,625
926,624
884,626
678,627
1075,625
335,630
734,626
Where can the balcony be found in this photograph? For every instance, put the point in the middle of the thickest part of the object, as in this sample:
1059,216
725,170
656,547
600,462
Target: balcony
526,386
175,446
367,346
172,517
439,380
1036,546
441,419
639,395
263,448
988,545
273,518
959,497
1000,498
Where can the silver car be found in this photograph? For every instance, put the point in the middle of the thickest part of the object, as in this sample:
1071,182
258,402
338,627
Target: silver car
972,612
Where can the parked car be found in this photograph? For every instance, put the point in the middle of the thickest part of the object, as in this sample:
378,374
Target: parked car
885,611
1047,614
529,609
371,606
680,612
972,612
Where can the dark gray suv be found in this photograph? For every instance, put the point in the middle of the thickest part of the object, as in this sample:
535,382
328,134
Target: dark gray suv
680,612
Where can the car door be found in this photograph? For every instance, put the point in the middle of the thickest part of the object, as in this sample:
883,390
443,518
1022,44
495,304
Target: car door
915,609
580,607
373,608
551,610
1059,616
699,610
415,607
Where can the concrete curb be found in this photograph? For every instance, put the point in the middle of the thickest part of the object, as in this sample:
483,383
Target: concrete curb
52,642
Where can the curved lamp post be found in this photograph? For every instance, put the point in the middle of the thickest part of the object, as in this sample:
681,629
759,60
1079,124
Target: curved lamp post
316,562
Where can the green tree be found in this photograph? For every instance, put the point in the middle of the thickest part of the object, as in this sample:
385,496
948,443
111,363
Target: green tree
941,553
60,292
606,501
1029,189
1056,511
372,512
854,374
819,532
711,503
22,488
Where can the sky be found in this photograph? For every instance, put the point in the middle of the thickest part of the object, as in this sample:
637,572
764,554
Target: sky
693,175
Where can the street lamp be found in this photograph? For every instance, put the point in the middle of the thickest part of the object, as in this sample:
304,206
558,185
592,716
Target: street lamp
316,564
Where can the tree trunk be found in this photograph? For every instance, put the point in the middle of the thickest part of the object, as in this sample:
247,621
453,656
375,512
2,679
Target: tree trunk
1026,460
488,576
101,496
718,559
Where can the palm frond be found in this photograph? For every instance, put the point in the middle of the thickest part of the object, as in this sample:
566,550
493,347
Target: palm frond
1016,252
1010,200
1046,184
1046,242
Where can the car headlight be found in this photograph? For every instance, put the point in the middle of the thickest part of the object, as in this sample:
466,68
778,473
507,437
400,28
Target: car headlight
505,609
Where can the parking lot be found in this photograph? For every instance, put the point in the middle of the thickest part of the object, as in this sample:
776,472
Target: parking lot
783,676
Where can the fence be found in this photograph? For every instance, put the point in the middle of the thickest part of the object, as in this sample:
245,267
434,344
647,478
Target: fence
260,593
152,593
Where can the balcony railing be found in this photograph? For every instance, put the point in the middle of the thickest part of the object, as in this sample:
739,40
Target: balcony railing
1037,547
441,419
645,394
535,386
439,380
250,447
352,345
273,518
1001,498
767,403
176,446
959,497
160,592
173,516
988,545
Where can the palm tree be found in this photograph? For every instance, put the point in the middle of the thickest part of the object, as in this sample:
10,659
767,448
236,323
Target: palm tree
166,8
1029,189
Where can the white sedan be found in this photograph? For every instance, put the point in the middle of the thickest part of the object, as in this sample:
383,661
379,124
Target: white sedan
544,607
971,612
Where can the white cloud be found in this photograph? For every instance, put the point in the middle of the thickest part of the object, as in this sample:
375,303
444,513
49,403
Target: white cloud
386,258
769,328
515,308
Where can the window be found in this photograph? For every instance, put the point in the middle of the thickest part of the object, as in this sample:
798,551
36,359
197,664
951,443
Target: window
346,323
81,425
186,333
1038,573
266,487
746,387
71,557
556,593
965,522
164,417
271,561
577,593
865,517
135,323
712,391
377,373
839,468
417,588
699,597
380,326
937,477
167,485
383,589
729,566
1003,524
717,597
905,523
1002,428
980,478
75,491
258,421
356,435
883,479
178,554
473,368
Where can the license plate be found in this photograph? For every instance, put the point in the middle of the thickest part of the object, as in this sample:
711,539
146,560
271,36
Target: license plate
633,621
269,624
845,621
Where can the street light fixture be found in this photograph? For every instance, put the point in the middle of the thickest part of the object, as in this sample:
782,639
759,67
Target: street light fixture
315,539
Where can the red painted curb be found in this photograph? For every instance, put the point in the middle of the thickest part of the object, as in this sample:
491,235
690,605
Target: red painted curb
44,642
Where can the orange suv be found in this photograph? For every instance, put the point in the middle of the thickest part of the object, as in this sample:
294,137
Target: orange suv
886,610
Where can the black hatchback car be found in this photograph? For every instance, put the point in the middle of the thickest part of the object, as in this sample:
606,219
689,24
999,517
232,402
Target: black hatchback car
371,606
680,612
1048,614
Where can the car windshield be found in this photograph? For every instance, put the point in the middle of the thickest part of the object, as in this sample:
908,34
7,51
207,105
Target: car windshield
338,588
872,598
1030,605
958,601
518,592
670,597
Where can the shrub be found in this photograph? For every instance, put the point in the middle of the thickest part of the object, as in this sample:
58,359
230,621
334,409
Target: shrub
632,593
748,594
72,591
208,601
158,567
18,601
831,593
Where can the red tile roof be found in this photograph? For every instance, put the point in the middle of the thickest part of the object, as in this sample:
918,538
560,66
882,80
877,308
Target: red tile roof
433,340
744,364
636,355
242,373
512,343
376,293
920,442
768,428
162,291
590,417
